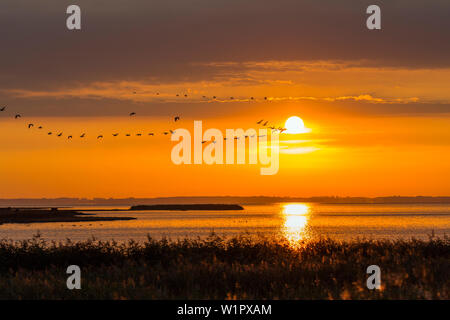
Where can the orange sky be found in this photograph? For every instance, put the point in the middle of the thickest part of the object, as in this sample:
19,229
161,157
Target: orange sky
346,154
377,103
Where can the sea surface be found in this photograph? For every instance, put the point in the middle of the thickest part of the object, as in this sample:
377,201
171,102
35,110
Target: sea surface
291,221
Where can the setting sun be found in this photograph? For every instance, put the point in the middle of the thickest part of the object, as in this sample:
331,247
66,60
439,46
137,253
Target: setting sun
295,125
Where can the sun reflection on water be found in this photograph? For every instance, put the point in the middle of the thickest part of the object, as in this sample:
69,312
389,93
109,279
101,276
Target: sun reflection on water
296,217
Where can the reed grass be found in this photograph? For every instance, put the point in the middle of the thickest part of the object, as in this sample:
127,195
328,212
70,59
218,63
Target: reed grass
221,268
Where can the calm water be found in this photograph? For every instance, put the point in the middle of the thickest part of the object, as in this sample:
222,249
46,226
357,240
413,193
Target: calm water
292,221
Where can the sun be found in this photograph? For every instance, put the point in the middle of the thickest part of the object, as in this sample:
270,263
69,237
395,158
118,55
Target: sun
295,125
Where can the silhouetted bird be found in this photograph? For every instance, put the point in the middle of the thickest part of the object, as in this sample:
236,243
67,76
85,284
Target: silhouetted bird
127,135
2,109
60,134
265,123
40,127
214,97
204,142
178,95
115,134
177,118
49,133
132,114
165,133
138,134
172,131
151,134
69,137
100,137
17,116
231,98
265,98
30,125
259,122
251,98
83,135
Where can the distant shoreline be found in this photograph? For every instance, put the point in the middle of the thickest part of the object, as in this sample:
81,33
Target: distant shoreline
21,215
187,207
128,202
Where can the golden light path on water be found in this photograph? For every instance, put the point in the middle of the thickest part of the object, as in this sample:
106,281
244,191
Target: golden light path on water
296,216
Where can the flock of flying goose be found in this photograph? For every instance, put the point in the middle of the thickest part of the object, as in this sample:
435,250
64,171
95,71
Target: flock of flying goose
261,122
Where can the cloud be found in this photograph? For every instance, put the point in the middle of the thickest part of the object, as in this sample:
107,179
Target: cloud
298,150
141,39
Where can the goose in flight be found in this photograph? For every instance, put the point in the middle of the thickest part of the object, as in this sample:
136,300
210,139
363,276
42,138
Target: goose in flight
69,137
138,134
115,134
17,116
151,134
60,134
100,137
265,123
40,127
127,135
132,114
30,125
259,122
83,135
176,118
185,95
49,133
165,133
2,109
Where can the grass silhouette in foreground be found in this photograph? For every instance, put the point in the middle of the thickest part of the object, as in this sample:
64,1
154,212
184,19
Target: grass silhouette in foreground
219,268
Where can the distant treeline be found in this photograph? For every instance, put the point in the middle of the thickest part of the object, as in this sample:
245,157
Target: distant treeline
186,207
60,202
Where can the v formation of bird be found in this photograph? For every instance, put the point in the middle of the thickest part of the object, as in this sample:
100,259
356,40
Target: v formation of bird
177,118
